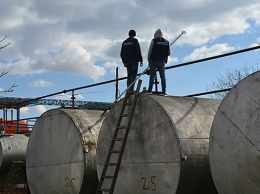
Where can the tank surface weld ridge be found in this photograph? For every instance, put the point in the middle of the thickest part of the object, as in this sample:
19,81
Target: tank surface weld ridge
246,95
55,164
240,130
235,164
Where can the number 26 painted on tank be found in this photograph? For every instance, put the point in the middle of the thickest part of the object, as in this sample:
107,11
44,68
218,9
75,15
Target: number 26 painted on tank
69,182
145,184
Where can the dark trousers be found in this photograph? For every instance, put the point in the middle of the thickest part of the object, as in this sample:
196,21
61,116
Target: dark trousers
160,65
132,69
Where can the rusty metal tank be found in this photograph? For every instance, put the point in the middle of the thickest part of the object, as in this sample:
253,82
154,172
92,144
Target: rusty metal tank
12,148
235,139
167,147
61,153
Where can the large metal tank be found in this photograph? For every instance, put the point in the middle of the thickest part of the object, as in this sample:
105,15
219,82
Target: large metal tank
235,139
167,147
12,148
61,152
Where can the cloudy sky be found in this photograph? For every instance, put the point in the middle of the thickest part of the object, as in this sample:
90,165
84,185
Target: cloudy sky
64,44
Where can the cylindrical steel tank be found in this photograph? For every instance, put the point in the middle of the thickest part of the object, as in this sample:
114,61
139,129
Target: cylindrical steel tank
167,147
235,139
12,148
61,153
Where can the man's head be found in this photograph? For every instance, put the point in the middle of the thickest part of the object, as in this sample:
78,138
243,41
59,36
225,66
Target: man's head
132,33
158,33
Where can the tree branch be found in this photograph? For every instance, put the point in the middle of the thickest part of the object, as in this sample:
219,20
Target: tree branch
230,78
10,89
3,39
3,73
5,45
6,72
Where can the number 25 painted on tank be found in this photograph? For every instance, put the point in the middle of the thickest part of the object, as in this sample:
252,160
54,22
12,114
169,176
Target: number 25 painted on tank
145,185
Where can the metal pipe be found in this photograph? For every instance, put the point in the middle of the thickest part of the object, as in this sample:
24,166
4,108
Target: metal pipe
122,78
4,116
28,118
116,83
183,32
214,57
206,93
156,82
73,98
18,118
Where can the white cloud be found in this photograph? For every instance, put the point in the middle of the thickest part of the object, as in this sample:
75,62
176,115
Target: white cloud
33,110
172,60
111,66
204,51
74,36
255,44
40,109
74,59
122,71
25,110
41,83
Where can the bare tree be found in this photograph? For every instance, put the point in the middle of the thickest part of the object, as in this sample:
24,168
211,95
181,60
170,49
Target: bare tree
230,78
4,73
1,47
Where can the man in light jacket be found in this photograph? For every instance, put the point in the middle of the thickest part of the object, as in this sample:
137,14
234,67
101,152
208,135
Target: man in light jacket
158,53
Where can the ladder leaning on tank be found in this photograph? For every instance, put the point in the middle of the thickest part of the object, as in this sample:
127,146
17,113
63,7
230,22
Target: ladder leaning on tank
116,138
128,88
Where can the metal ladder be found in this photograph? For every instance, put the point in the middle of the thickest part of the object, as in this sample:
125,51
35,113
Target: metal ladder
116,138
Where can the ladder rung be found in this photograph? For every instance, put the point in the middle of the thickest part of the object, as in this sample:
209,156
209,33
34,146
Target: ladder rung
119,139
124,115
111,164
115,151
121,127
104,190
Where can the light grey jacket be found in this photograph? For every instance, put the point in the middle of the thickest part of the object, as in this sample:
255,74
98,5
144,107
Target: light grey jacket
158,33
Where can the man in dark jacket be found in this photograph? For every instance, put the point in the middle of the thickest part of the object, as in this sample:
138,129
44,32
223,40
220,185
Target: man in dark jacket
158,53
131,55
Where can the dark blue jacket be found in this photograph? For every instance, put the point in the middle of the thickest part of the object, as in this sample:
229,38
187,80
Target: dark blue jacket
130,51
160,50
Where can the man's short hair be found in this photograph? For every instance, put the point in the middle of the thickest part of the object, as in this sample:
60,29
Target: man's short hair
132,33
